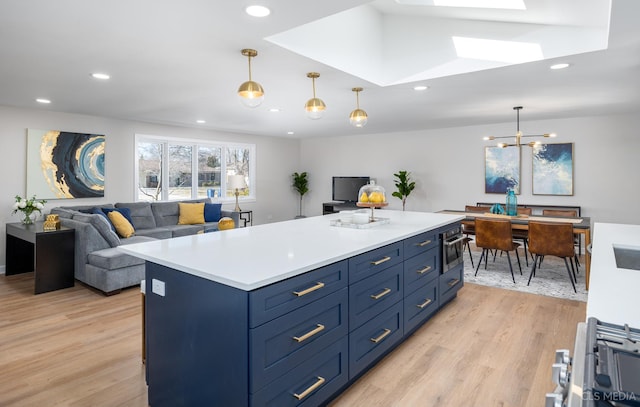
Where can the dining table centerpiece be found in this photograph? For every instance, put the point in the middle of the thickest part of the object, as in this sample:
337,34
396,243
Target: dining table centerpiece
28,208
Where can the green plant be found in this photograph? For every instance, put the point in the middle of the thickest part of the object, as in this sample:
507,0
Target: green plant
405,185
301,185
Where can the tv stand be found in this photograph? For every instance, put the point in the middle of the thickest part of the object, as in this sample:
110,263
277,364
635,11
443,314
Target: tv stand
335,207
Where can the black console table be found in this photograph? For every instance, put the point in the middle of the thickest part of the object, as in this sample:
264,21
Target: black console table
335,207
50,253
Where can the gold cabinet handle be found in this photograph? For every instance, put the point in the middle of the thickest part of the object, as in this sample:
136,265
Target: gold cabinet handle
453,282
382,336
311,388
382,294
319,328
426,242
318,286
424,304
424,270
382,260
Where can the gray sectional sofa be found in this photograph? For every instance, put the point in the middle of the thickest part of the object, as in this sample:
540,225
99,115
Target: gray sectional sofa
98,261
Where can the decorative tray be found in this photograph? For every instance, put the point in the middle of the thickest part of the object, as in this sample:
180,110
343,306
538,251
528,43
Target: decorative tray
376,222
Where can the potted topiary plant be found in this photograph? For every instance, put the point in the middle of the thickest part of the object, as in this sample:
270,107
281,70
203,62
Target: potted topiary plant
405,185
301,185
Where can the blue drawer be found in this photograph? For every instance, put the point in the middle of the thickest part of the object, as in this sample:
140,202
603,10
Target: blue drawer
309,384
370,296
275,300
421,269
369,263
421,243
281,344
450,283
371,340
420,305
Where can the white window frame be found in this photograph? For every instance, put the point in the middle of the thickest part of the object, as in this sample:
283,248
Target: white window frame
195,144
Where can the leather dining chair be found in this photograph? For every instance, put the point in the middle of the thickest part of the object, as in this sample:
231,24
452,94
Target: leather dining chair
523,235
469,229
495,234
552,239
568,213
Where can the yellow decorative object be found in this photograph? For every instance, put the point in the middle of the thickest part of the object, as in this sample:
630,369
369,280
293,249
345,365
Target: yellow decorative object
122,225
364,197
52,222
191,213
226,223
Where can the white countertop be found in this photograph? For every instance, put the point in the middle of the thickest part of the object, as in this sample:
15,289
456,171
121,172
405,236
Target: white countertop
252,257
614,293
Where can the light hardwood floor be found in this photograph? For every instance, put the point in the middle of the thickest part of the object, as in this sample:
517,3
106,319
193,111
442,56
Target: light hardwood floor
489,347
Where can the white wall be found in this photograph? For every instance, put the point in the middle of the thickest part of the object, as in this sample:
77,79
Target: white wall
448,165
277,159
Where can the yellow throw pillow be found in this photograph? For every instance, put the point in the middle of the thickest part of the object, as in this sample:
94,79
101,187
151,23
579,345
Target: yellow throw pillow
123,226
191,213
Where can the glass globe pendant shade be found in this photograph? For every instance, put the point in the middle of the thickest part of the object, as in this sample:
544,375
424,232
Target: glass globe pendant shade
315,107
358,118
251,94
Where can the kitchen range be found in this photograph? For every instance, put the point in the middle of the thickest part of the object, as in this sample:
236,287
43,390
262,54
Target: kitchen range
605,367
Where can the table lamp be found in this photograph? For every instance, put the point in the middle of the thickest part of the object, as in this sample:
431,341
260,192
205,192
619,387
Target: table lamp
236,183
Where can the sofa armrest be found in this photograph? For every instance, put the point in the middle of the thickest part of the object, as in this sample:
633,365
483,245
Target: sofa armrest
233,215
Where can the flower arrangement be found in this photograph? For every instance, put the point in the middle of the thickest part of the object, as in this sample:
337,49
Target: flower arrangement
28,207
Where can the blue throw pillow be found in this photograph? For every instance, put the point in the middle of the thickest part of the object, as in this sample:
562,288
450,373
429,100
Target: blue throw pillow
126,212
212,212
98,211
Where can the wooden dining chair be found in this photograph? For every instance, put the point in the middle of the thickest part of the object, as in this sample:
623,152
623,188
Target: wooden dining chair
552,239
468,228
495,234
577,240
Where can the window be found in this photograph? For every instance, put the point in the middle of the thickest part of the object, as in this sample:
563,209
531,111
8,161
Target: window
175,169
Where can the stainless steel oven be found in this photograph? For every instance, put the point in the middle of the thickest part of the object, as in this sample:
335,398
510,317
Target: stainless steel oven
452,248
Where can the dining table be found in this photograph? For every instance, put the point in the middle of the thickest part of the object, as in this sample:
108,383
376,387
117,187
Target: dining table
581,225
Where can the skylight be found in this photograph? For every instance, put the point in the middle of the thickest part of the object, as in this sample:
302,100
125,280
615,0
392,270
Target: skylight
504,4
511,52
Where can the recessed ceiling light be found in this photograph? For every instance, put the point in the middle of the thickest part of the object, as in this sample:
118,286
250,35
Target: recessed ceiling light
420,87
274,110
559,66
257,11
290,133
98,75
41,100
200,121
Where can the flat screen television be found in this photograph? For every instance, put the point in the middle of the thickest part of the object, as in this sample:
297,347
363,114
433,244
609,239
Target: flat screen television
346,188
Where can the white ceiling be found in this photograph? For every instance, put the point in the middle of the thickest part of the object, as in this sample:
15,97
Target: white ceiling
176,62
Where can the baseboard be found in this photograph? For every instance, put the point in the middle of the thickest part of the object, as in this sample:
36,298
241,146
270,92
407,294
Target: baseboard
2,269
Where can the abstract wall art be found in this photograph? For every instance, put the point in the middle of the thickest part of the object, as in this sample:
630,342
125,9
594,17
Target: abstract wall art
553,169
65,165
501,169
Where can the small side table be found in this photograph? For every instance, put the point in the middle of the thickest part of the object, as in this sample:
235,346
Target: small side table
246,217
49,253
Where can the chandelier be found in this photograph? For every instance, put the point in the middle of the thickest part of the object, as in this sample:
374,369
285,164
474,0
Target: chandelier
519,136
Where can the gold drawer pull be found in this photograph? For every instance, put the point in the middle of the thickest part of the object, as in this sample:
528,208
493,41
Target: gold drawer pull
382,260
382,336
424,270
318,286
426,242
311,388
424,304
453,282
309,334
382,294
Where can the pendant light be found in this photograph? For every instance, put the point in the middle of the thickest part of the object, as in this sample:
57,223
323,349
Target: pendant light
519,136
251,93
358,118
314,107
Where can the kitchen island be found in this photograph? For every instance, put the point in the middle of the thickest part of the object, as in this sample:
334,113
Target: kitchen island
288,313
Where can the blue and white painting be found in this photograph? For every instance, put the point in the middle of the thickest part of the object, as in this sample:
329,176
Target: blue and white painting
553,169
64,165
501,169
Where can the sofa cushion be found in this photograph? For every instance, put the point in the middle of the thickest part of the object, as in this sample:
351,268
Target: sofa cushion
123,226
184,230
167,213
156,233
123,211
98,211
101,225
212,212
141,214
112,259
191,213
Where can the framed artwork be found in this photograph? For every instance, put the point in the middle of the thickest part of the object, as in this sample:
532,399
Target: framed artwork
553,169
501,169
64,165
